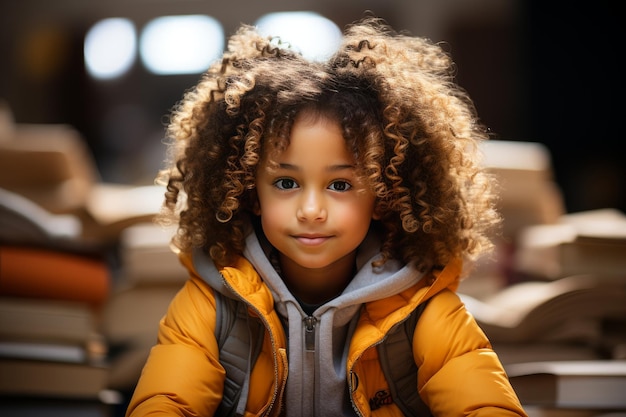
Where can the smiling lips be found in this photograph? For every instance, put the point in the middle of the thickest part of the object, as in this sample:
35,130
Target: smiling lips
311,240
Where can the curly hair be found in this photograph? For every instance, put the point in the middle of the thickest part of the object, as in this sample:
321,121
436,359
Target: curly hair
412,130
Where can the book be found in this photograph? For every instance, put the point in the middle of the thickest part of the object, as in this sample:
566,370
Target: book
111,208
568,309
7,121
534,411
25,223
45,273
29,406
510,353
22,222
528,193
50,348
55,352
67,183
587,242
44,320
20,377
148,256
66,168
594,384
108,210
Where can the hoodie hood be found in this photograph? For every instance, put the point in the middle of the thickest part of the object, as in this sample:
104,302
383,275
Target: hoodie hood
318,344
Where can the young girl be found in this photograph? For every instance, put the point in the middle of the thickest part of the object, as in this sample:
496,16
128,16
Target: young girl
332,198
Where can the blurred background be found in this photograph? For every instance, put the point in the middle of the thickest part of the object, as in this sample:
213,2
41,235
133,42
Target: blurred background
545,72
85,91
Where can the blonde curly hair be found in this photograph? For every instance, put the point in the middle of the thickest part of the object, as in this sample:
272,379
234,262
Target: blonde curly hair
412,130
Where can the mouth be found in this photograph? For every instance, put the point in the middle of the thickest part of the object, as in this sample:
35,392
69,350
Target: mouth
312,240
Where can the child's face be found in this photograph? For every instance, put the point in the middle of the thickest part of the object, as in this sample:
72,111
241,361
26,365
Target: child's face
314,209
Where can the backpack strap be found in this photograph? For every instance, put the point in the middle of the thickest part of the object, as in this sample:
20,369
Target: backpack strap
398,365
239,338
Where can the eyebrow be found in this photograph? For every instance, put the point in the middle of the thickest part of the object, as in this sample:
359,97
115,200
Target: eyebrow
330,168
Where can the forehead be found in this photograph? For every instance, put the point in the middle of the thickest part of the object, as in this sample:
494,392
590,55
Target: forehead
313,138
316,138
280,133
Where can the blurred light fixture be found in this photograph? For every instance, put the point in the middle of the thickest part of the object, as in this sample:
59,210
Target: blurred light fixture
181,44
110,48
313,35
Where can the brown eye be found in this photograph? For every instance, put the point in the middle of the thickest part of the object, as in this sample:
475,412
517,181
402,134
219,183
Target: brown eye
285,184
340,186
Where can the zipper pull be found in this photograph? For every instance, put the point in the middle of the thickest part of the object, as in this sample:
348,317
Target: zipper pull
309,333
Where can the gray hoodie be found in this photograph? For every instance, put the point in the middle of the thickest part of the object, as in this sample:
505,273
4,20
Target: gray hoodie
318,344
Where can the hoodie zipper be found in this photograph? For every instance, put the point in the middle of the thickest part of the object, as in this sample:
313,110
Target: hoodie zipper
309,333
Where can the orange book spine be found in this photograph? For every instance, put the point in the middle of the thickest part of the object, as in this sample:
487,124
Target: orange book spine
40,273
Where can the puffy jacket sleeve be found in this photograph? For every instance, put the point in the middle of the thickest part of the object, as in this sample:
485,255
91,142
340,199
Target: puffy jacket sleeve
182,375
459,373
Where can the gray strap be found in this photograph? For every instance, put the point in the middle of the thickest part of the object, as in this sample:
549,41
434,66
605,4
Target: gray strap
255,336
238,337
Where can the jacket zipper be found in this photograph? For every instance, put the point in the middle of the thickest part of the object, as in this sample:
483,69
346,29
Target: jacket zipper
351,376
266,325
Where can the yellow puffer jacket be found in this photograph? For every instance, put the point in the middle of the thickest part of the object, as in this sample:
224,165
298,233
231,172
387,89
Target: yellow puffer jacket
459,374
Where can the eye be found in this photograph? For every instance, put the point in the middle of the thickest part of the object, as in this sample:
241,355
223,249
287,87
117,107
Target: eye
340,186
285,184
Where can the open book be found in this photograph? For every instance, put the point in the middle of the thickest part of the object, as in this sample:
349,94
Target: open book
109,209
23,221
567,309
50,166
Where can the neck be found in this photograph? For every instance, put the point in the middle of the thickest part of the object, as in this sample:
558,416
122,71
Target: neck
316,286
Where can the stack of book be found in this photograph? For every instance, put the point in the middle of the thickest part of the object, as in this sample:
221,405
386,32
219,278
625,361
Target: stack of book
561,333
553,303
528,196
60,227
50,349
528,192
52,291
587,242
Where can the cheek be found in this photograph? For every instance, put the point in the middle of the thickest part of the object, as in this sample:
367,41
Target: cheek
272,215
358,214
263,202
364,209
268,217
273,225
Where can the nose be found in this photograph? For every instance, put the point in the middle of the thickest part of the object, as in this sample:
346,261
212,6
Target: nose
312,207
